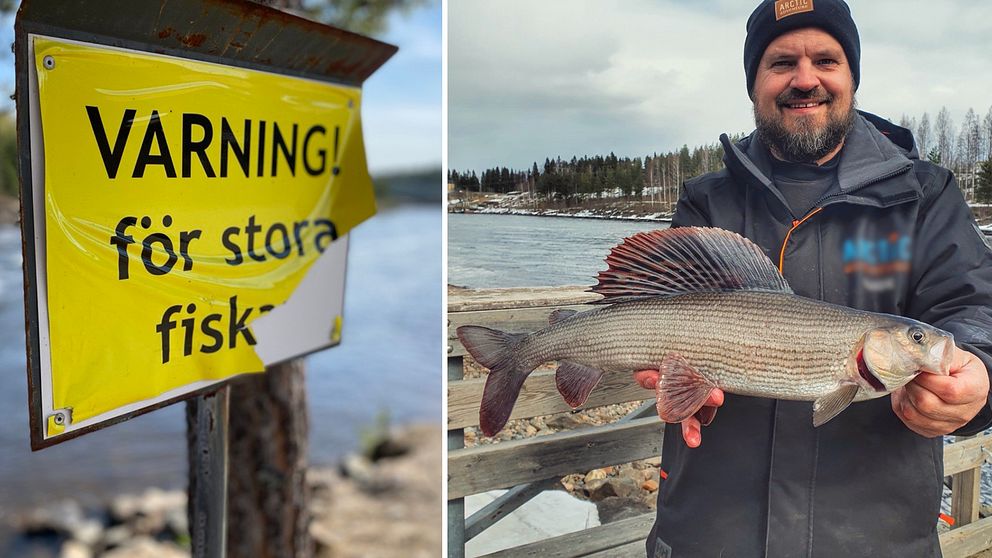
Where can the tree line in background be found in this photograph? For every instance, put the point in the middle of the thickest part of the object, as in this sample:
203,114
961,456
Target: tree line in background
966,150
656,177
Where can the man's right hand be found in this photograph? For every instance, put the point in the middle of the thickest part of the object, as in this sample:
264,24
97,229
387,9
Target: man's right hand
691,427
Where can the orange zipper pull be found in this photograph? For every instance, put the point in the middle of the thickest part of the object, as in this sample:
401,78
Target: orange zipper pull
795,223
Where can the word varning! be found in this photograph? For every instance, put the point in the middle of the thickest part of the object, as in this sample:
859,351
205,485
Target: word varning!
231,146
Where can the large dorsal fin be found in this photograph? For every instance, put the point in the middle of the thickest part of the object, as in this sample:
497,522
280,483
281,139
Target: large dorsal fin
683,260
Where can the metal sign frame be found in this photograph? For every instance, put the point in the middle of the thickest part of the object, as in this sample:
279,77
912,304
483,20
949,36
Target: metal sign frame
228,32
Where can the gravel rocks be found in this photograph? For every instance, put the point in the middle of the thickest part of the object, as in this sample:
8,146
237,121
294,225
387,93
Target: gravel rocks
389,507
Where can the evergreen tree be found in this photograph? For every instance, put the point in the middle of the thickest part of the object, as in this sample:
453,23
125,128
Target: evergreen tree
983,184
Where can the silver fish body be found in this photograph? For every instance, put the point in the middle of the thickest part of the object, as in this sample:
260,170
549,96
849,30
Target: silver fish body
708,310
763,344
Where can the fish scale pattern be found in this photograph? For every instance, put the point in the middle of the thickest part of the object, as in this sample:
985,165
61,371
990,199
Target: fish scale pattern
767,344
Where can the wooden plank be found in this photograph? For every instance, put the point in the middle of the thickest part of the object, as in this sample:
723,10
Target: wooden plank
456,506
506,504
468,300
966,454
614,539
488,467
968,540
966,487
521,494
516,320
596,541
633,549
539,396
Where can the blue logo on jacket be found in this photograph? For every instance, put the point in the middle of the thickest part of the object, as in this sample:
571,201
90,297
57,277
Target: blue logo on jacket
878,261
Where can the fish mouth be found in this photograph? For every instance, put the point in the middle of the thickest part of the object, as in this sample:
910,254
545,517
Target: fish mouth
866,374
941,353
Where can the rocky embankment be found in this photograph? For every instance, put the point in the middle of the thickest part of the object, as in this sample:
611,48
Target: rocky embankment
387,507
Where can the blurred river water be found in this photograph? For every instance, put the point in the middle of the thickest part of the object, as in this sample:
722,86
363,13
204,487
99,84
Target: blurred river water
389,362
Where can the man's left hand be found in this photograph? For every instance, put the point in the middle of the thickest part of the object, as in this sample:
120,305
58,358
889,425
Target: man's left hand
933,405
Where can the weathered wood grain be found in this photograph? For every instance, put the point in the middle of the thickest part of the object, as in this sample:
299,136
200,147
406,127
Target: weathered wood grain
505,505
456,506
964,497
966,454
468,300
519,310
617,539
539,396
507,464
625,538
968,540
522,493
633,549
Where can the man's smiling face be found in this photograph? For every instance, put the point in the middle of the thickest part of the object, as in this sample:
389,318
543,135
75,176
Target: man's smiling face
804,96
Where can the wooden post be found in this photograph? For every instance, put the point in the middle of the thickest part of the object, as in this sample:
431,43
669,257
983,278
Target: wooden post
456,507
965,487
964,499
269,504
206,418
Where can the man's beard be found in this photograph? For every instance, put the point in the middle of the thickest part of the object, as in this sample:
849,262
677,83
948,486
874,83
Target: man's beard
809,142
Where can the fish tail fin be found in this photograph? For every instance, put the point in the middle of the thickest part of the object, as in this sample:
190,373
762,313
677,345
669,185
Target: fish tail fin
497,351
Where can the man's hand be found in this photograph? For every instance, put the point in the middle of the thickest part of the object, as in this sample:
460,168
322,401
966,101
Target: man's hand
933,405
691,427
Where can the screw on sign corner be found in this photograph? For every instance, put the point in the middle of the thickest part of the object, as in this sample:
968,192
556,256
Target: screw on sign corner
62,417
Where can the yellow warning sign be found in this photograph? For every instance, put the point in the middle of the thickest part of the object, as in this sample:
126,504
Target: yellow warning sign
183,200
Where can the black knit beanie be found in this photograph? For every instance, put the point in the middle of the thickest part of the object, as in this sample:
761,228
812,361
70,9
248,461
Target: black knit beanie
773,18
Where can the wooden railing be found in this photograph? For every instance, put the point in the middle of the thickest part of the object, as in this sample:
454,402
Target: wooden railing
531,465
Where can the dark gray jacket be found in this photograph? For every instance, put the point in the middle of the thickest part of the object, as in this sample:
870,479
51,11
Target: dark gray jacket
894,236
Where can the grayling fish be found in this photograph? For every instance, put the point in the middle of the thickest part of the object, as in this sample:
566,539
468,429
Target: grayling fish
708,309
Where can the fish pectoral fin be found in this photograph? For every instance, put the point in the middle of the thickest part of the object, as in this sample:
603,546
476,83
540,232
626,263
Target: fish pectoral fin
705,415
561,314
576,381
681,390
831,404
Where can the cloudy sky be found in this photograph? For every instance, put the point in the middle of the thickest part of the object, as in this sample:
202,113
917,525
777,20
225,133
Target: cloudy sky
529,80
401,111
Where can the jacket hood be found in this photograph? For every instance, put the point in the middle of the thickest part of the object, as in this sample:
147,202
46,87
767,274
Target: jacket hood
873,150
901,137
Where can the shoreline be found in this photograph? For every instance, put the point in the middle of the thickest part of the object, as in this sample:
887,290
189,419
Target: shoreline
591,214
580,214
346,503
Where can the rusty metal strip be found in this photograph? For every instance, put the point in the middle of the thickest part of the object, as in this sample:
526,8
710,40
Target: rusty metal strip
231,32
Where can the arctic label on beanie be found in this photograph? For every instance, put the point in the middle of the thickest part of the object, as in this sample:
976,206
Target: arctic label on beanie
786,8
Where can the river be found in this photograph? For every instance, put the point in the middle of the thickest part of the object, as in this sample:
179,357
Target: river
527,251
388,362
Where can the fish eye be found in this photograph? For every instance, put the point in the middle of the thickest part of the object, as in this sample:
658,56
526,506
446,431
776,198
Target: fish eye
916,334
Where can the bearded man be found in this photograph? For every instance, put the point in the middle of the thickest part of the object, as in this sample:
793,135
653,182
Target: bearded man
840,200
